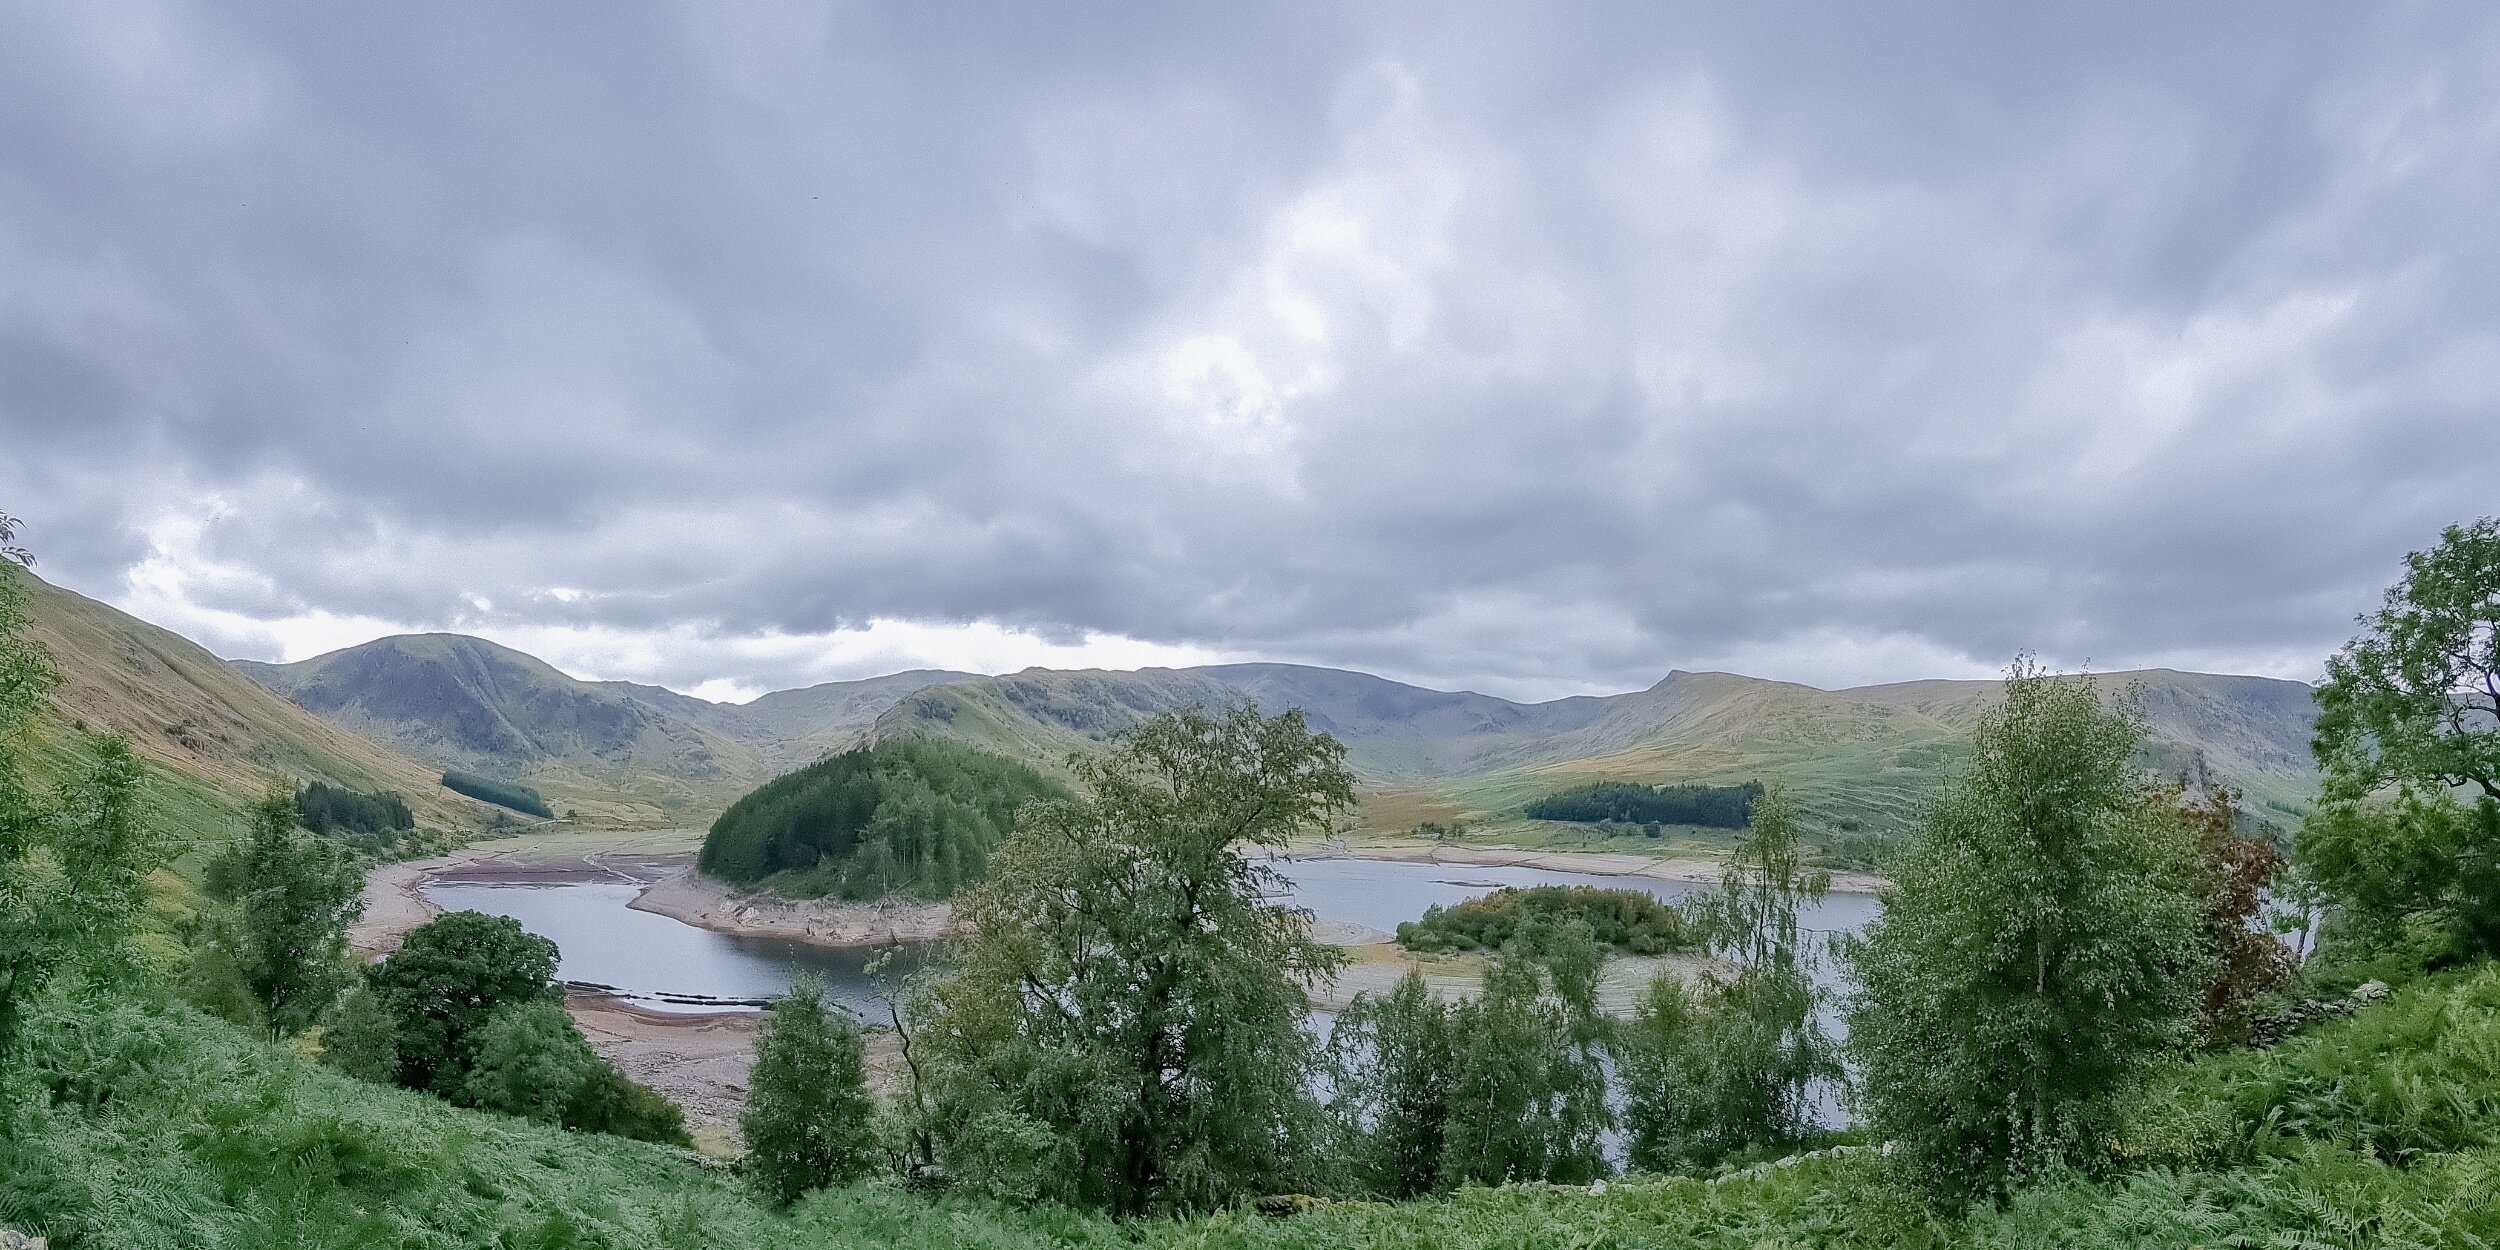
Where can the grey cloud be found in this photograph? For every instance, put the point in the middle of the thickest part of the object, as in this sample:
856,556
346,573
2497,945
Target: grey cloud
1537,349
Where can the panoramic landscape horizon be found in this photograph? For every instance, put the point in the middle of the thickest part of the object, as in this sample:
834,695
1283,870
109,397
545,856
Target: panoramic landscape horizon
852,625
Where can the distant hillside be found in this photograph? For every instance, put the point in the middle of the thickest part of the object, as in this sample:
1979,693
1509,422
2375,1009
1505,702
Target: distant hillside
613,750
465,703
1857,759
213,740
791,729
1867,757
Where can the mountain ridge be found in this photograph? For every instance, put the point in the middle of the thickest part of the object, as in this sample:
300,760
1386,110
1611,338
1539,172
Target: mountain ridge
1858,755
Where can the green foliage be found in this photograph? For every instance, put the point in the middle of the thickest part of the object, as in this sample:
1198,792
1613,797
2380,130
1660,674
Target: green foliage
807,1119
1721,807
916,815
2414,1077
608,1101
137,1124
294,899
443,983
1632,921
1728,1069
325,808
2410,714
1127,998
213,979
2415,872
530,1058
1391,1061
2412,700
2247,964
73,864
2039,947
1528,1087
511,794
360,1038
131,1123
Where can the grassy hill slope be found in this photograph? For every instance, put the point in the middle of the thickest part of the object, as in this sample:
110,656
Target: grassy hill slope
213,740
1864,758
618,751
1861,759
466,703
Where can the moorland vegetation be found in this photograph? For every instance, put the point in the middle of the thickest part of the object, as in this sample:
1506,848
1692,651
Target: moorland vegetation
2052,1038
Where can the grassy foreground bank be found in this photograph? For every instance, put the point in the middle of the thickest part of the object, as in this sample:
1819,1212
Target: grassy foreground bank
136,1122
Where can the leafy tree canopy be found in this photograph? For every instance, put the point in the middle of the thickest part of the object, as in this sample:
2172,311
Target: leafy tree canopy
1124,1025
446,979
808,1119
2039,947
2404,846
2415,699
1728,1068
295,897
73,863
1391,1060
1528,1079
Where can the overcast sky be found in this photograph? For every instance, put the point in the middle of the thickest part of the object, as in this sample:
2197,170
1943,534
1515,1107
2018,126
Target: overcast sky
1530,348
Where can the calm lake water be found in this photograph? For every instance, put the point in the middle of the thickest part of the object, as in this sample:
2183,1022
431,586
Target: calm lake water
673,966
659,962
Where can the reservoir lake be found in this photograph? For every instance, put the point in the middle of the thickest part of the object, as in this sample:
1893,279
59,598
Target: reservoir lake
665,964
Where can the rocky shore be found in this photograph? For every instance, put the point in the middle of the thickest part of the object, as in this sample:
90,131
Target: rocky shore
705,902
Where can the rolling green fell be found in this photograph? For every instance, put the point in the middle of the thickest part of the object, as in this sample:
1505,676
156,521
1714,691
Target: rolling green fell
917,816
211,741
511,794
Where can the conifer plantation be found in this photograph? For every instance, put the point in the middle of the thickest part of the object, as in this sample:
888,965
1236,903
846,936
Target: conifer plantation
917,817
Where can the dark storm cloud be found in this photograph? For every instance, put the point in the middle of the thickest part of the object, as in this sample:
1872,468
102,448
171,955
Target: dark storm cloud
1539,349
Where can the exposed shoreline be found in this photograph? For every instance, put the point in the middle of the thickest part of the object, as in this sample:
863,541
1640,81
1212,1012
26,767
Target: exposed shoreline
1587,863
701,1059
689,897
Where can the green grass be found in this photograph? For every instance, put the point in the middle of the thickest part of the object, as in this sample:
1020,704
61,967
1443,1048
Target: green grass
138,1123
